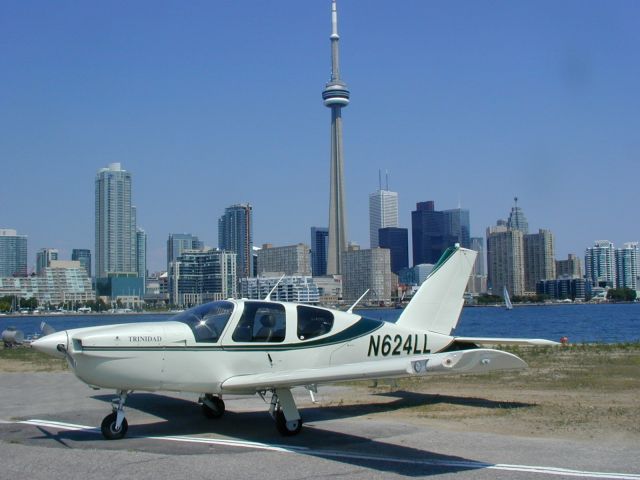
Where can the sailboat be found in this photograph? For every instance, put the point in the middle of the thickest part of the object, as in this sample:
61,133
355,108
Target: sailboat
507,301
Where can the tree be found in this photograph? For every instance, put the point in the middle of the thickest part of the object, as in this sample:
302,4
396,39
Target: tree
621,294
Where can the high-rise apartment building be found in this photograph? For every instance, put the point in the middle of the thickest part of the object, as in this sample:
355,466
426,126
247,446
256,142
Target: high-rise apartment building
178,243
627,266
434,231
505,260
44,256
478,279
141,254
319,250
600,264
569,268
539,259
383,213
199,276
82,255
115,223
517,220
235,234
364,270
13,253
397,241
287,260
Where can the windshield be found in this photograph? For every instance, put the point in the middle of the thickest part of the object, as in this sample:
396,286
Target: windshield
207,321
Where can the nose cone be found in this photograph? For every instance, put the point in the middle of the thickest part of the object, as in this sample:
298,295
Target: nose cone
49,344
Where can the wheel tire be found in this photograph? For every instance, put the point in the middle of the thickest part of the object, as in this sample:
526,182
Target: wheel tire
281,425
108,427
216,412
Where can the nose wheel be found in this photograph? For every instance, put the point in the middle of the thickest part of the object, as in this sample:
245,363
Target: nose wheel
114,426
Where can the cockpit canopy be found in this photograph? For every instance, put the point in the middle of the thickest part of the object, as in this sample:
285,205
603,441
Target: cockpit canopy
207,321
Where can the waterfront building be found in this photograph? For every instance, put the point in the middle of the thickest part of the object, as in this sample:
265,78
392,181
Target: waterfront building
576,289
61,283
434,231
571,267
627,266
291,288
199,276
505,260
44,256
364,270
287,260
336,96
539,258
600,264
82,255
397,241
115,223
329,288
178,243
319,250
383,213
235,234
13,253
421,272
517,220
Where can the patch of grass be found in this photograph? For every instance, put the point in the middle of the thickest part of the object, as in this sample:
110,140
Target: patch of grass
25,358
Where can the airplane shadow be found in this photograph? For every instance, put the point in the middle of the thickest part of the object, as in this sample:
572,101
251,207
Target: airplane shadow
179,417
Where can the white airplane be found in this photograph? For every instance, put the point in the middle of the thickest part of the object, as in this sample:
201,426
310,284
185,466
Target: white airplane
259,347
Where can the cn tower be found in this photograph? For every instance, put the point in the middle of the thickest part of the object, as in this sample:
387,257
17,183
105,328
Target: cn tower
336,96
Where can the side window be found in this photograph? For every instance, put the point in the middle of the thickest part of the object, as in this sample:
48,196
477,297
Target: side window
261,322
313,322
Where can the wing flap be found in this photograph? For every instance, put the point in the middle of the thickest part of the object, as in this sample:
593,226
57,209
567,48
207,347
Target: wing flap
505,341
461,361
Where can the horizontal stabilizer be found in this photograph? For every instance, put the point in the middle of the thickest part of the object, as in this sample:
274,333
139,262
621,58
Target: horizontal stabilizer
460,361
505,341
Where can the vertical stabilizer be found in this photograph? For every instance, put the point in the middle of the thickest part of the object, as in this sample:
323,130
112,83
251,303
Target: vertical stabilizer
437,304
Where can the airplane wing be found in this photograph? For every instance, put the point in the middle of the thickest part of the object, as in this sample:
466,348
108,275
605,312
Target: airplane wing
461,361
505,341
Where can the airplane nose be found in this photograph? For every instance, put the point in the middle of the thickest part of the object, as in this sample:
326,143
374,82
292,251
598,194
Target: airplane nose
49,344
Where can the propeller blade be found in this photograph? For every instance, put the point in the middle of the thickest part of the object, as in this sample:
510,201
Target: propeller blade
46,329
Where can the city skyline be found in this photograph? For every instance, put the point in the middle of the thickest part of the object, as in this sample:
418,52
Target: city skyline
499,102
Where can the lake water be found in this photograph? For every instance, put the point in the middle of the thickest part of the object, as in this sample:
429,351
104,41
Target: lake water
581,323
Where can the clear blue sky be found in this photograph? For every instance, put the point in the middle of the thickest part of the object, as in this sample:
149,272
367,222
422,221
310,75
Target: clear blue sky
217,102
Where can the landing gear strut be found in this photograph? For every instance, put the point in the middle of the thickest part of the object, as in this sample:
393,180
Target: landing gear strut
212,406
114,426
285,413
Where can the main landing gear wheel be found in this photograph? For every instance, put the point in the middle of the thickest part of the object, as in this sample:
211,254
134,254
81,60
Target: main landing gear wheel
109,429
287,429
212,406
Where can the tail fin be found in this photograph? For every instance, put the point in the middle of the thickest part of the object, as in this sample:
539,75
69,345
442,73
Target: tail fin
437,304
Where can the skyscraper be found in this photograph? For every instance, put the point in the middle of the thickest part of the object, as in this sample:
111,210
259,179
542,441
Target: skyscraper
434,231
115,222
83,255
141,253
569,268
383,213
627,266
235,234
505,260
178,243
44,256
336,96
600,264
287,260
319,250
539,258
517,220
397,241
13,253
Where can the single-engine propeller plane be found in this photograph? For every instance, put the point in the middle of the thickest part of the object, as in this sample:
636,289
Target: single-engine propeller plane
268,347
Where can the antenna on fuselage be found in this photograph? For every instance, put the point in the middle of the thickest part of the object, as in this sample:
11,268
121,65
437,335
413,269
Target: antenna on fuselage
268,297
357,302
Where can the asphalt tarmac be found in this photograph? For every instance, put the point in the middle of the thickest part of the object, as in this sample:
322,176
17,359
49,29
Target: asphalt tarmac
49,428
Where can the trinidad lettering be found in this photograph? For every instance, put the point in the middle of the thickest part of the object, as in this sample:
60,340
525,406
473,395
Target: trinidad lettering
145,339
